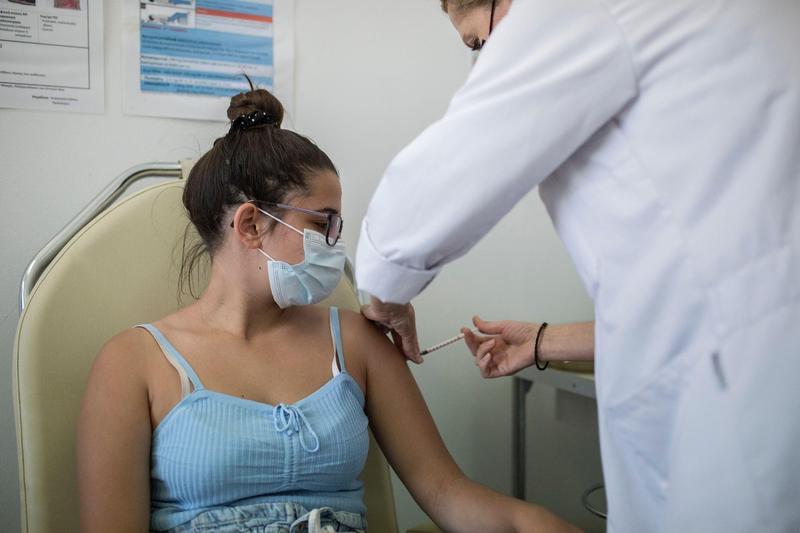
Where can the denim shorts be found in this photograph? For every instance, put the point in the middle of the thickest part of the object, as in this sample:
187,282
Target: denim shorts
275,518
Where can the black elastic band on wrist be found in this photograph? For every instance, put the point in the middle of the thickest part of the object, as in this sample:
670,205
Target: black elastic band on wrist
536,348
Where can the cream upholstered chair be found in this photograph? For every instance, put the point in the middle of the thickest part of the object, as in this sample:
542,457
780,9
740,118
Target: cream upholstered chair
113,267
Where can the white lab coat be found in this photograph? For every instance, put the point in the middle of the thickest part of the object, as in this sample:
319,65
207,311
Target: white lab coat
665,137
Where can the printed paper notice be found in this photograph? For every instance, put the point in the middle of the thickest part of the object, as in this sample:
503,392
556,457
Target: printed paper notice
51,55
186,58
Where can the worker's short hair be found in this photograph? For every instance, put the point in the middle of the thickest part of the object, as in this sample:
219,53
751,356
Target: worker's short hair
460,5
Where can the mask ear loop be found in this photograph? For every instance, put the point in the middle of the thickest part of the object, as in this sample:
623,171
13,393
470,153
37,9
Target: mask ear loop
273,217
265,254
270,215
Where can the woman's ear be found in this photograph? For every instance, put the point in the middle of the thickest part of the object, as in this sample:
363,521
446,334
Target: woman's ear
249,225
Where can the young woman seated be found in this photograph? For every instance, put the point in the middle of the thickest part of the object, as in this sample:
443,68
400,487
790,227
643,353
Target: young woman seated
248,410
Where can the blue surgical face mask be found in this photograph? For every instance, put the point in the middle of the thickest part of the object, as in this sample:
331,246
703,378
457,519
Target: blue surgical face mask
312,280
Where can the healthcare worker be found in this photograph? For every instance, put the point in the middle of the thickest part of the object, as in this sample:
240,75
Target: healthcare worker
664,137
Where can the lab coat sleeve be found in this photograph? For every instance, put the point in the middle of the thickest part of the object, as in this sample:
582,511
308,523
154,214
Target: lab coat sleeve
550,76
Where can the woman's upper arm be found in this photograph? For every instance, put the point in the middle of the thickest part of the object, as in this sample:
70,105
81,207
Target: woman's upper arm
399,417
113,440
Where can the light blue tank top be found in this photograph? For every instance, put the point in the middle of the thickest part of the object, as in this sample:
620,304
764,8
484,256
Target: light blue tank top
215,450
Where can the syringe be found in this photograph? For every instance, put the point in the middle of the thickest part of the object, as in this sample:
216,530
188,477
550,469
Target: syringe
442,344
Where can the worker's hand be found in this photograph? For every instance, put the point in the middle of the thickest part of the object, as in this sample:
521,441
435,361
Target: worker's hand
505,347
399,320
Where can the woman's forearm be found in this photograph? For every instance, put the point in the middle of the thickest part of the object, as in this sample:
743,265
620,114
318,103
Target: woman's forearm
466,506
567,342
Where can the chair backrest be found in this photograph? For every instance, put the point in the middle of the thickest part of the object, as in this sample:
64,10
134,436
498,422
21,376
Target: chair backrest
121,269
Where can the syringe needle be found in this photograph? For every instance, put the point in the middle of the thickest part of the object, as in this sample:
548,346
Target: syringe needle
442,344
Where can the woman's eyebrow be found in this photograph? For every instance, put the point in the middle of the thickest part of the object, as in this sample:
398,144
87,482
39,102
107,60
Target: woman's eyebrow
331,210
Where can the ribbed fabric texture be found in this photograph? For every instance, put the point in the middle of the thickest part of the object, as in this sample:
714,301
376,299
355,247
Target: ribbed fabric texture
215,450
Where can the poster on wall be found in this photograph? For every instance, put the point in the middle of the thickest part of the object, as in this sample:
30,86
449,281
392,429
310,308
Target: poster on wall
51,55
186,58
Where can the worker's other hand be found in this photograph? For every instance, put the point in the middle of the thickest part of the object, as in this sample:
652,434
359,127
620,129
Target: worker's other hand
399,320
505,347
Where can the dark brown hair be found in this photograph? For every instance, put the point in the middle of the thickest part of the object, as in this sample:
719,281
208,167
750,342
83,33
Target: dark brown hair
261,162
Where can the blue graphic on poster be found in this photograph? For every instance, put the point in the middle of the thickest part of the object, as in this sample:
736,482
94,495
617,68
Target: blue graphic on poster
202,47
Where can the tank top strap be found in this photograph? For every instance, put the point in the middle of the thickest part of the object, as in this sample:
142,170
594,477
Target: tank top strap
175,358
336,334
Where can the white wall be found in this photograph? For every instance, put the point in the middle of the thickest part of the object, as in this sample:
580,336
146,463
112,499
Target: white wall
369,77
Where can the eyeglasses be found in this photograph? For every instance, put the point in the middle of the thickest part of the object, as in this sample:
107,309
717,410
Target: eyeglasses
333,225
491,27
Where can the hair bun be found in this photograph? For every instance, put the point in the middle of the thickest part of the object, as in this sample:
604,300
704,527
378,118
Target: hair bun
256,100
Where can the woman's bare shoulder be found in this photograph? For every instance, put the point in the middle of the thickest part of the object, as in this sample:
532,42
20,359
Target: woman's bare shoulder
364,339
130,352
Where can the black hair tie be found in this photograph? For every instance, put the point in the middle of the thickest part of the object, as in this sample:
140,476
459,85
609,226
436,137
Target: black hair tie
250,120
